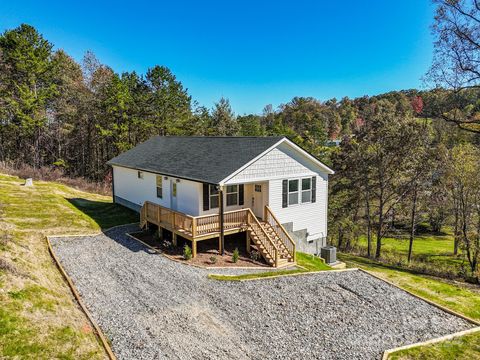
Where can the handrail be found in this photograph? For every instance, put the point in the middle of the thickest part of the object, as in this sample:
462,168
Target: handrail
195,225
271,244
282,232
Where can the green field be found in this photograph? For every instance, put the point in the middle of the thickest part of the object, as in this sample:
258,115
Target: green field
462,298
39,319
432,254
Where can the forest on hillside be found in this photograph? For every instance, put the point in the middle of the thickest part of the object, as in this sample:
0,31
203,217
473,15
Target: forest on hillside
406,158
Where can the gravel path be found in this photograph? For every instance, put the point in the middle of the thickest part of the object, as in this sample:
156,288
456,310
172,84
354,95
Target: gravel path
153,308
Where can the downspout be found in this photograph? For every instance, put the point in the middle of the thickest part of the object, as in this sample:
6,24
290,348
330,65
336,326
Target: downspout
113,188
221,215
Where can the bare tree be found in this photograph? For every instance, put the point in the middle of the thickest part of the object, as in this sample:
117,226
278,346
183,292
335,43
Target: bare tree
456,62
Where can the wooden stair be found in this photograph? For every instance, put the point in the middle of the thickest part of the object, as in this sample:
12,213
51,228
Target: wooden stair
269,244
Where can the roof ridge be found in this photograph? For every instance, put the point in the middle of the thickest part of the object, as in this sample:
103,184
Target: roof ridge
221,136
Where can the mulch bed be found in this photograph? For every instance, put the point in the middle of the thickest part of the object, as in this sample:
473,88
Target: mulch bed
206,249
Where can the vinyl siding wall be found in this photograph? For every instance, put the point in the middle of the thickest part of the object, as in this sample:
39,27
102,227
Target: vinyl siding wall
129,187
284,162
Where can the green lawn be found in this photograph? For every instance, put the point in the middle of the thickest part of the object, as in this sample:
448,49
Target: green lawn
465,347
458,297
38,317
432,253
308,262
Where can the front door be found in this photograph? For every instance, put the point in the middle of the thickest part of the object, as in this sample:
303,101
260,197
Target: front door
257,200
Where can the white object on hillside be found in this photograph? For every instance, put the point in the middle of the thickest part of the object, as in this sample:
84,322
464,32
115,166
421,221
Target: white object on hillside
29,182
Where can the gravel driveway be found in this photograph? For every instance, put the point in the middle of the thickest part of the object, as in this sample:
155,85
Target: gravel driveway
153,308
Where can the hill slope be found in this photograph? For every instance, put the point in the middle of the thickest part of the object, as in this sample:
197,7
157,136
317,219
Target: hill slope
39,318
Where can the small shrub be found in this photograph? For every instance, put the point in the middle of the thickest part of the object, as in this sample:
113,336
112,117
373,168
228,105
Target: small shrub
187,252
254,255
235,255
213,259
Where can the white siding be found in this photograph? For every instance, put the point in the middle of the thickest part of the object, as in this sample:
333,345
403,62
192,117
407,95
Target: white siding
279,162
129,187
310,216
286,162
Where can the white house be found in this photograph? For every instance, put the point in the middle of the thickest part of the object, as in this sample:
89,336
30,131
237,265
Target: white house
270,178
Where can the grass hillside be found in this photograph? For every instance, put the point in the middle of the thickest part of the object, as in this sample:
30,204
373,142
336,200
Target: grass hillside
39,319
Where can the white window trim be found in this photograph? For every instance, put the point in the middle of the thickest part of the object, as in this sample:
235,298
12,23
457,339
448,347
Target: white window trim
210,198
237,192
299,191
157,187
293,192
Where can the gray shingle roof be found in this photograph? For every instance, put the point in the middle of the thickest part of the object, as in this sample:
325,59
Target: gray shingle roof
206,159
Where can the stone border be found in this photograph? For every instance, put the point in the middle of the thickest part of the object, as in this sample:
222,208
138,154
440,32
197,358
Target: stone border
201,266
100,335
285,275
388,352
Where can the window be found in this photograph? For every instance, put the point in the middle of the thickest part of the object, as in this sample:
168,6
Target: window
174,189
140,174
213,196
306,190
159,187
292,192
232,195
258,188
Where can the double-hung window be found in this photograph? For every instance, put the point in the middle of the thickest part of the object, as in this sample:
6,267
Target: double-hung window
159,187
213,194
306,190
232,195
293,192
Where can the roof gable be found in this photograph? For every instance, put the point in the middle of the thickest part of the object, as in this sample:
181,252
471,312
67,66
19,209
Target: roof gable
283,160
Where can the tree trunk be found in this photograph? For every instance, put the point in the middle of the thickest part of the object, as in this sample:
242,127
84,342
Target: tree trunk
456,230
380,225
412,224
369,220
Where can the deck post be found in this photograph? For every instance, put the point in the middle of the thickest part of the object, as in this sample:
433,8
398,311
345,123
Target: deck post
222,230
194,248
174,238
248,242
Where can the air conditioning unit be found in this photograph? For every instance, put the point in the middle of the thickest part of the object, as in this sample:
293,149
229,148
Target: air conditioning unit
329,254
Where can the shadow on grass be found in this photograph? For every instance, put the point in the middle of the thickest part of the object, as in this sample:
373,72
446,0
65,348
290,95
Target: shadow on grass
105,214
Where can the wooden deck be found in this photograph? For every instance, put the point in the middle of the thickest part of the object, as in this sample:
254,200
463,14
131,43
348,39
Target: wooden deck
194,227
269,238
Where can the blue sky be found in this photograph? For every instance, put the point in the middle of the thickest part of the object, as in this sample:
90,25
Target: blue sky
252,52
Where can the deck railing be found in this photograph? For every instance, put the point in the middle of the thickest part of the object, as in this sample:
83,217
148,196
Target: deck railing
193,226
205,226
281,232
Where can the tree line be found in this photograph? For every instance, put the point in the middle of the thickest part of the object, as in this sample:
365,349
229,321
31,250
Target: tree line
57,112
